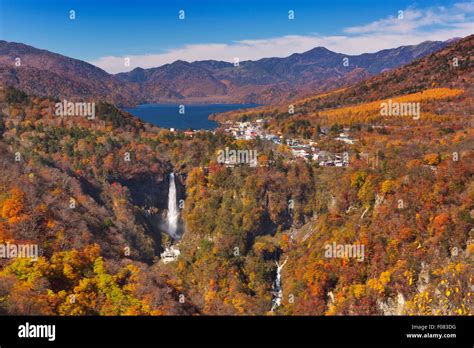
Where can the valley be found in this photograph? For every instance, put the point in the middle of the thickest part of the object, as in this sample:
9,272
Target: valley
160,226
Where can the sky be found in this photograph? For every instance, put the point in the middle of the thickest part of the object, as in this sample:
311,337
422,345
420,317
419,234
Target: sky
120,35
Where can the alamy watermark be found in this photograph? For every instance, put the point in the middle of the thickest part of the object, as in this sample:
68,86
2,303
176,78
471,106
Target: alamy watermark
235,157
11,251
391,108
81,109
37,331
356,251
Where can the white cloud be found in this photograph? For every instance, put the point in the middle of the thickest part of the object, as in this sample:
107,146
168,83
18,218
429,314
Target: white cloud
413,19
417,25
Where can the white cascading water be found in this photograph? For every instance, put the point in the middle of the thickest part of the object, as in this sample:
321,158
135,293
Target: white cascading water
173,213
277,290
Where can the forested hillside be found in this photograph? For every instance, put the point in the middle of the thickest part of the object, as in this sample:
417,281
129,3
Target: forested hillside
93,195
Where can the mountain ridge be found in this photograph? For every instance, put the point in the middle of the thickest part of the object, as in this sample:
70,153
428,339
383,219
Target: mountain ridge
263,81
427,73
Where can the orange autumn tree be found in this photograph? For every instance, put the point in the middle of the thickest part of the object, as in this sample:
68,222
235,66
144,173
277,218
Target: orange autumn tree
3,231
432,159
14,206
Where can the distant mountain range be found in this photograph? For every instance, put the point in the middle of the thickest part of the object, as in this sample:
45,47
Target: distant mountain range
264,81
437,70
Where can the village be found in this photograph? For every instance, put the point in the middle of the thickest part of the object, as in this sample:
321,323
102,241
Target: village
300,148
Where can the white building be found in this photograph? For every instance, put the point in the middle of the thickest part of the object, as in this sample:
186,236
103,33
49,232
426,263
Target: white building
300,153
170,254
345,138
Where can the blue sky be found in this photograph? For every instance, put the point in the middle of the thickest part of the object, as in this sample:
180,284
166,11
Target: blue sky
150,33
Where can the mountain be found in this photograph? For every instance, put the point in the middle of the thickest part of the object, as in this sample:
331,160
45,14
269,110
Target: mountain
175,81
449,69
433,71
46,73
270,79
263,81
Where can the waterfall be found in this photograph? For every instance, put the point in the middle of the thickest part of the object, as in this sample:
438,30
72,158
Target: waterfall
277,290
172,209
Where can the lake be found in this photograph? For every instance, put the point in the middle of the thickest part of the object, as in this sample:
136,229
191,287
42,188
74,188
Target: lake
195,116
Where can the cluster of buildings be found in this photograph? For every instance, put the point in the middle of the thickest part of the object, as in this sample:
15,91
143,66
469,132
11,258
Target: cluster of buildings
246,130
187,133
323,158
328,159
304,149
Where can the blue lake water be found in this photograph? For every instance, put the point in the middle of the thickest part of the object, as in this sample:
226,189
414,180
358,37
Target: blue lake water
195,116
